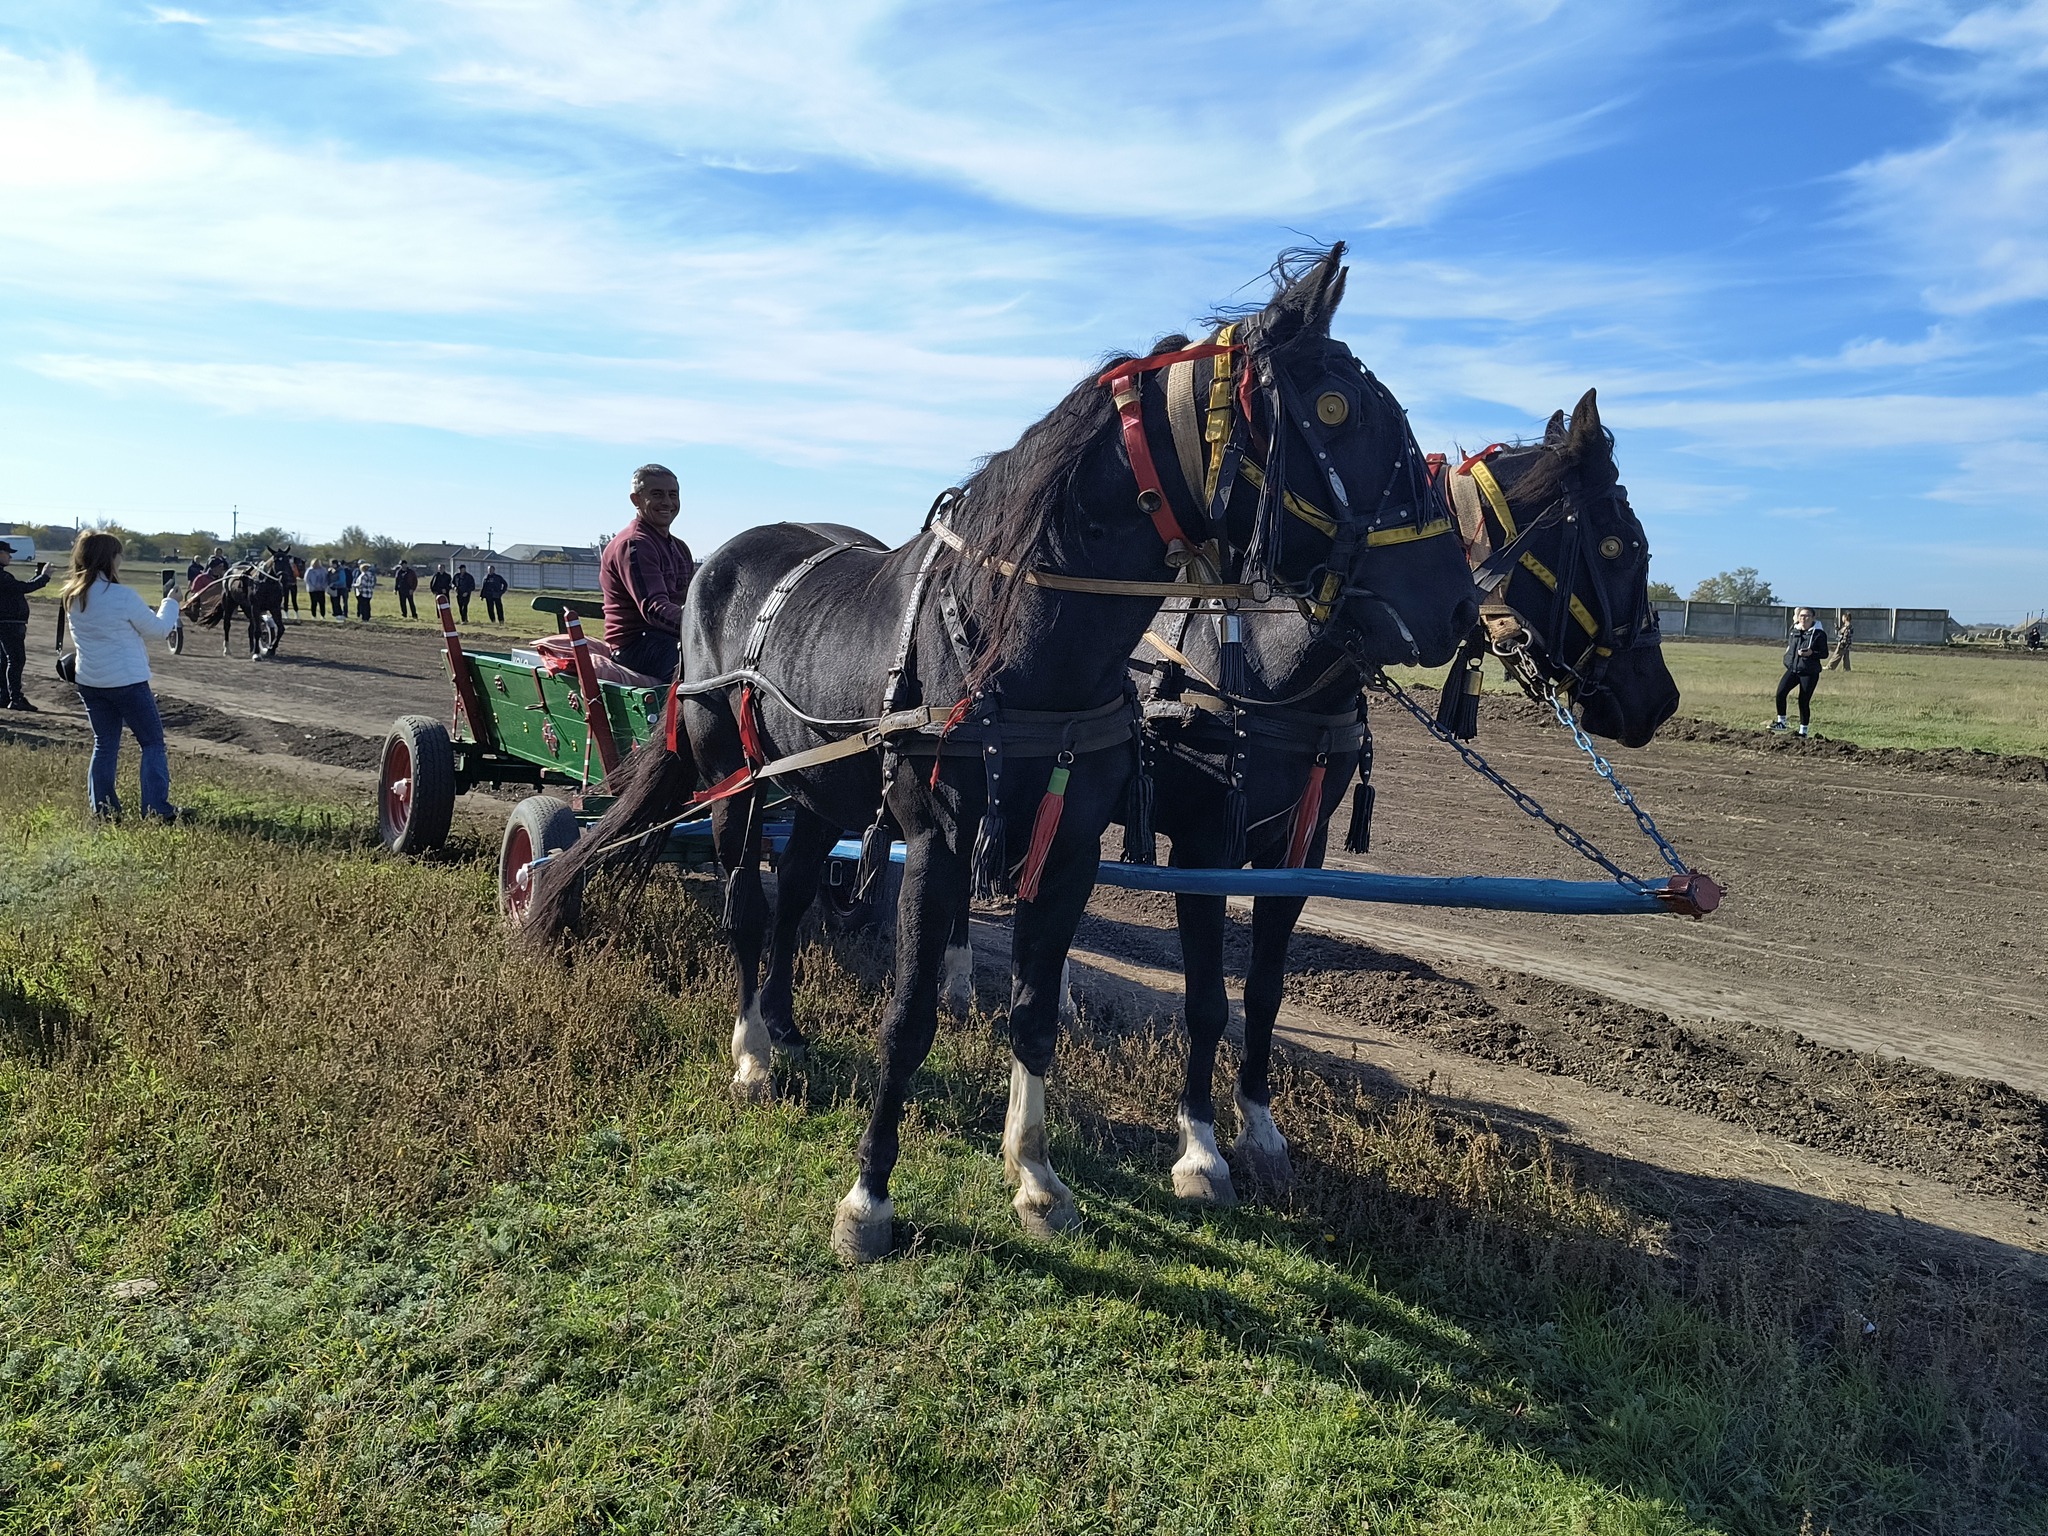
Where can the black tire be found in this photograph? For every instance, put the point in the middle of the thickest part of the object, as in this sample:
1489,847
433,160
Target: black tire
416,786
540,825
175,640
842,914
269,635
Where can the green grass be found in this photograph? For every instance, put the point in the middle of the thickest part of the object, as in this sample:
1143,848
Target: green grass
439,1237
1916,699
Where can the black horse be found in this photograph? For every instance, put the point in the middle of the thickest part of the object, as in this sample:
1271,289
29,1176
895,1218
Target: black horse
1577,604
253,589
976,679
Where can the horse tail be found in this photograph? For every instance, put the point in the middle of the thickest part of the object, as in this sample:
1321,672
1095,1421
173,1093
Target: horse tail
649,788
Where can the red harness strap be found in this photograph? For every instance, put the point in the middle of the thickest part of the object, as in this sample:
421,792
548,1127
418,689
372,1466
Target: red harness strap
750,728
1126,385
1307,812
1465,466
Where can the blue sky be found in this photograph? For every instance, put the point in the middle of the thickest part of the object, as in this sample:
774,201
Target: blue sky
453,267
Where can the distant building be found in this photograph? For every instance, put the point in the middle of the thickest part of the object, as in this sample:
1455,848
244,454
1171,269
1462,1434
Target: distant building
551,554
451,554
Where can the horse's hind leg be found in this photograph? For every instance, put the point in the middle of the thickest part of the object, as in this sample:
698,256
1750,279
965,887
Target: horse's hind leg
796,887
1260,1149
1199,1172
746,922
956,982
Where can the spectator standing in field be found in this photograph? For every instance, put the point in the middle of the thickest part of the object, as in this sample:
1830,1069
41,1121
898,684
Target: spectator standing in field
465,587
1844,638
292,566
405,581
643,576
193,571
111,626
493,590
365,588
1805,650
338,580
14,626
316,589
442,583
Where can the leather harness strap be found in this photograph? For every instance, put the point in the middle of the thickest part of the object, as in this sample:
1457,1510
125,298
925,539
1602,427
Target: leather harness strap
757,637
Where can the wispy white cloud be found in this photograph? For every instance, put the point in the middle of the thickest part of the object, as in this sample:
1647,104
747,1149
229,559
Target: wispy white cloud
1276,110
170,16
308,34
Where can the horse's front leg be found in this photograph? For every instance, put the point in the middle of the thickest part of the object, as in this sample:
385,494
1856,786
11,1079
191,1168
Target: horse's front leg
227,628
1199,1172
956,979
796,887
746,921
934,894
1043,931
1260,1150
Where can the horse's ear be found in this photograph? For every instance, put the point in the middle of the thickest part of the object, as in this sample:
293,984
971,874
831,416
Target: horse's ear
1587,439
1554,431
1307,299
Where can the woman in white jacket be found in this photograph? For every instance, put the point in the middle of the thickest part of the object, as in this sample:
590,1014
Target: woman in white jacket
111,626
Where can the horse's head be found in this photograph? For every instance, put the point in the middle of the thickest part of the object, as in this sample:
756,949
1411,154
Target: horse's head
1332,504
1568,568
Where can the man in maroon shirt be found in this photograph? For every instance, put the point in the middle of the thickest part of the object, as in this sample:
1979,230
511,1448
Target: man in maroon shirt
643,575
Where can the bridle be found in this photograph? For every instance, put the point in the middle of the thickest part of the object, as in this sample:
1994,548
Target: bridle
1537,657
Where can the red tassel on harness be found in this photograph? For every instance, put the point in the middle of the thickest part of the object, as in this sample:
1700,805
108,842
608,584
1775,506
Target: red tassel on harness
1043,826
1306,814
939,756
669,727
750,729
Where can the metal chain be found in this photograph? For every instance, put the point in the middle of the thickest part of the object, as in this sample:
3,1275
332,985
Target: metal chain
1523,800
1605,769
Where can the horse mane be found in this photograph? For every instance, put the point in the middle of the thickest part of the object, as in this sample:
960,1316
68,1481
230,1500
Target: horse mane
1011,505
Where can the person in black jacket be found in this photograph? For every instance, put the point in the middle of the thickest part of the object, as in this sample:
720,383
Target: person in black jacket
1805,650
14,626
493,590
465,588
440,583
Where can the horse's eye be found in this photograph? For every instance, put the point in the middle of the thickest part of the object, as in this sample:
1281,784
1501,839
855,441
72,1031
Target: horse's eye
1332,408
1611,547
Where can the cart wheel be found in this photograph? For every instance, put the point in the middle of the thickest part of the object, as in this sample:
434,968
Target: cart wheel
842,914
175,640
416,786
268,636
540,825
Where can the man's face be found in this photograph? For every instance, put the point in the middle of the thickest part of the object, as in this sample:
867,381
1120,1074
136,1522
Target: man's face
658,501
6,554
1803,619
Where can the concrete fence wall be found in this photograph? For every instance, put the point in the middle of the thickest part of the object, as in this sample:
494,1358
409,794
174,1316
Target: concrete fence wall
554,576
1759,621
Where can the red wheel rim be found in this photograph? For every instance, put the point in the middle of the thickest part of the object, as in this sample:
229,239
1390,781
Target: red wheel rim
515,873
397,788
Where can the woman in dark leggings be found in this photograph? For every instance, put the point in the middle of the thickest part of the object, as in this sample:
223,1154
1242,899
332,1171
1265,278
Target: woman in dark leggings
1804,652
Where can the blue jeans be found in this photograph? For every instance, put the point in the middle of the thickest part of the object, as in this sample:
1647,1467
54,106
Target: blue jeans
134,707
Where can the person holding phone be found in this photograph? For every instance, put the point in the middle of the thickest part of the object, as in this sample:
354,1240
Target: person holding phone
1805,650
111,625
14,626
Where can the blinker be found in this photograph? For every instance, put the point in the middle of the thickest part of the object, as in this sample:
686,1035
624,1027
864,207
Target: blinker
1332,408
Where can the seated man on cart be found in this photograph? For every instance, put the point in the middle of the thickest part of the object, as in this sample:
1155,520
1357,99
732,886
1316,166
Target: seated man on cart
643,576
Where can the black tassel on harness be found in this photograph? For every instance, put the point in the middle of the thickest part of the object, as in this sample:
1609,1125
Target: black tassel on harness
1457,710
1230,666
1358,839
874,853
992,854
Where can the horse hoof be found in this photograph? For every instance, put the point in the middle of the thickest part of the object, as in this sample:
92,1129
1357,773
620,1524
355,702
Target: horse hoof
1048,1221
1201,1186
863,1234
754,1090
1267,1172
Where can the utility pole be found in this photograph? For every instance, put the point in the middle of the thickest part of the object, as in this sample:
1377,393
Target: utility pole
235,524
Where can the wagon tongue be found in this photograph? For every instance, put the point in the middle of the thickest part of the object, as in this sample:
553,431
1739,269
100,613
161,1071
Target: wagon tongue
1691,894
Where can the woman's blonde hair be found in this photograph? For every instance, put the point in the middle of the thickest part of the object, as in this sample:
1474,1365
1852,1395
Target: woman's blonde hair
93,556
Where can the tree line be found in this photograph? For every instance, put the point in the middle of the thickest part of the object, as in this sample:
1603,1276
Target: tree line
353,543
1741,585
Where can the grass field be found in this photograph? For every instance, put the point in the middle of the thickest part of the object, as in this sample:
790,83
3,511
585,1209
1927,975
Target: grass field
320,1210
1918,699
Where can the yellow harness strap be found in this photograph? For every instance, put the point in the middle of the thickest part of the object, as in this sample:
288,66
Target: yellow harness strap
1490,488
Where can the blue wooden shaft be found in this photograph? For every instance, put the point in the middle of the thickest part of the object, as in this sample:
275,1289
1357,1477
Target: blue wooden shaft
1487,892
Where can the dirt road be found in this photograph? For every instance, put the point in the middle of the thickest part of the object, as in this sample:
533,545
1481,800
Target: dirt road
1883,938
